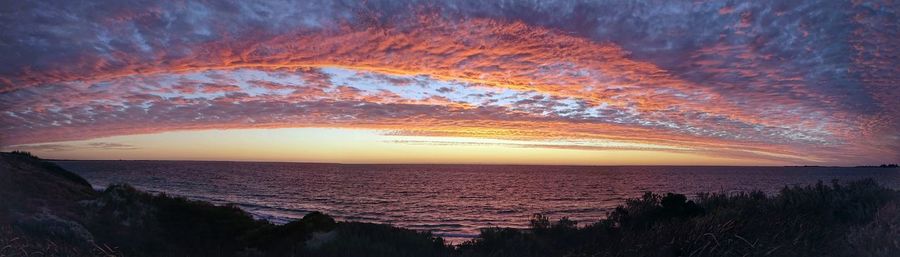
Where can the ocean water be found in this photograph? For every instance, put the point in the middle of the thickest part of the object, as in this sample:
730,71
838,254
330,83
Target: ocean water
452,201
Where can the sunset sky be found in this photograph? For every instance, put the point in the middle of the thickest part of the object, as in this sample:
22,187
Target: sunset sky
525,82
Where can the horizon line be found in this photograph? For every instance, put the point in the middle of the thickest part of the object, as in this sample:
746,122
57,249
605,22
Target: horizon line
485,164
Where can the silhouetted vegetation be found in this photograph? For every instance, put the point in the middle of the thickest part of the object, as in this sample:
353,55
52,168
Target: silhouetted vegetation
800,221
23,153
49,213
892,165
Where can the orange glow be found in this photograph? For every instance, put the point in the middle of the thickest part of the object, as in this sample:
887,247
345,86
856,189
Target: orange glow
478,79
367,146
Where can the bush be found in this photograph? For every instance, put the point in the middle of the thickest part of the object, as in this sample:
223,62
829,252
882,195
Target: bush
799,221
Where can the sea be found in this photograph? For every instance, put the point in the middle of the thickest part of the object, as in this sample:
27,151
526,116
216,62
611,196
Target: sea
451,201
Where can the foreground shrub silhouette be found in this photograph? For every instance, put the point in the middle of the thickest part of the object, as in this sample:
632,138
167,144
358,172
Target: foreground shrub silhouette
816,220
48,211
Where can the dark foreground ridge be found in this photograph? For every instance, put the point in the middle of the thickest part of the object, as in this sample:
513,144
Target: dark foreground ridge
48,211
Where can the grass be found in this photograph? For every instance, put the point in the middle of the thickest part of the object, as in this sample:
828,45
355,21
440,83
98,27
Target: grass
13,243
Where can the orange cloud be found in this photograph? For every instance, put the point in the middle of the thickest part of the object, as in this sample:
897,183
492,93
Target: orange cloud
473,76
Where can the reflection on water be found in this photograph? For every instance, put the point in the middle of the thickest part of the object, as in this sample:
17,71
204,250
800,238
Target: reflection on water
452,201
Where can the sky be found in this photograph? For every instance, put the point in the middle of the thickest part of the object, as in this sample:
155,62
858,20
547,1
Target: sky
513,82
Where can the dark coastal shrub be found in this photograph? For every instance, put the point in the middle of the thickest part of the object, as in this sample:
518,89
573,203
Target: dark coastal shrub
205,229
143,224
650,209
291,238
800,221
881,237
377,240
544,238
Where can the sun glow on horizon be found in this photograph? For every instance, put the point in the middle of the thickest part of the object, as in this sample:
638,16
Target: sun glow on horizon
362,146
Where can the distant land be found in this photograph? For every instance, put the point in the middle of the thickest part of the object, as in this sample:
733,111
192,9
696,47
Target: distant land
860,166
880,166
